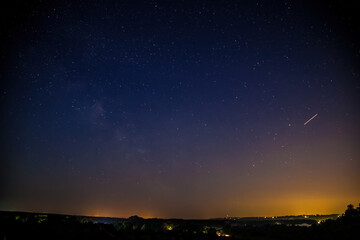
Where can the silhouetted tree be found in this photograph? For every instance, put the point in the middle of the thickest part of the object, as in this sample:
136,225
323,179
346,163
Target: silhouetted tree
351,211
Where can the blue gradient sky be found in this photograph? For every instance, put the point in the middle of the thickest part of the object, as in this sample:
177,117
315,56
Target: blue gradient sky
188,109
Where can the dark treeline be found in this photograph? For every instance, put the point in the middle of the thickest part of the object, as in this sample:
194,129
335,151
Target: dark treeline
19,225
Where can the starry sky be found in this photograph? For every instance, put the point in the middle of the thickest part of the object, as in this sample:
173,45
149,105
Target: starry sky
179,109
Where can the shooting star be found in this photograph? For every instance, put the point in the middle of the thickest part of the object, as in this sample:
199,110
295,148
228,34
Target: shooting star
310,119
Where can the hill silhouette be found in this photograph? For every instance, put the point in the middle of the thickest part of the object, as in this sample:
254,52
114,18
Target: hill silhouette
21,225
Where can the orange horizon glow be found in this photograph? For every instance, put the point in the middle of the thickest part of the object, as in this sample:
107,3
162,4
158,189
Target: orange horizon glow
285,207
276,207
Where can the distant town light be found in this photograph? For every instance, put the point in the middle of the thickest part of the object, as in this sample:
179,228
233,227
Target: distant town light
221,234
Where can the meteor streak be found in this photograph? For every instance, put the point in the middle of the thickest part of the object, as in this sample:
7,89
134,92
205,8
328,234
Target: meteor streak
310,119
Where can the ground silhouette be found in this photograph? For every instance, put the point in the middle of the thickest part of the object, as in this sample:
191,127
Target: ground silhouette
20,225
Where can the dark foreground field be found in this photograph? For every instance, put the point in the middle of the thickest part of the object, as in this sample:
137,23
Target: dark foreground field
20,225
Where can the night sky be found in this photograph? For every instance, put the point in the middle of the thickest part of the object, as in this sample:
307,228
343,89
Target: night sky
179,109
